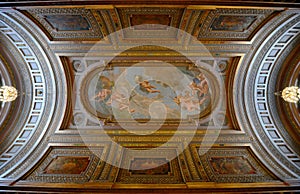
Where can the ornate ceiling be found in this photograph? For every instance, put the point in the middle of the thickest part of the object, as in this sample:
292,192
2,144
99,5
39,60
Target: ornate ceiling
176,97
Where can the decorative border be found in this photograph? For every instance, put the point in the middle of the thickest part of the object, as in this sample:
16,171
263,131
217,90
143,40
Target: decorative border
38,87
261,94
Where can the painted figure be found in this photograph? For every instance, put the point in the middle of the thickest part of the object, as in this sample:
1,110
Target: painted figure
187,102
146,86
121,100
199,85
190,98
102,94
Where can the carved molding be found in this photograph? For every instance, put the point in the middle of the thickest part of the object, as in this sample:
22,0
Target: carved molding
39,90
244,98
52,74
262,103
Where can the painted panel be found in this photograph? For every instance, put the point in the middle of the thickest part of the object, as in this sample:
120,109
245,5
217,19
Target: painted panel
139,19
230,165
150,166
68,22
67,165
236,165
232,23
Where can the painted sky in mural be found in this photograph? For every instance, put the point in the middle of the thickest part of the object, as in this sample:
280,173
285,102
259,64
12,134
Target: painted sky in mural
186,93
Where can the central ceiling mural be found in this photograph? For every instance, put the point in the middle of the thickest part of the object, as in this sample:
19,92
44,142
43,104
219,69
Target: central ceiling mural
141,89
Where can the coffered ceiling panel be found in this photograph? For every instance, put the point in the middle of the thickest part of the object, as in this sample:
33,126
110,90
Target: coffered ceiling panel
66,165
144,19
151,169
238,164
68,24
231,24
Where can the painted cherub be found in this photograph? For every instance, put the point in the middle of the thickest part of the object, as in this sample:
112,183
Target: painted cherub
199,85
146,86
102,94
177,99
187,102
121,100
203,84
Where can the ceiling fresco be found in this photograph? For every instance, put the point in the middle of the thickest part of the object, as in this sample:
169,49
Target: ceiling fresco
128,91
172,98
139,87
67,165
